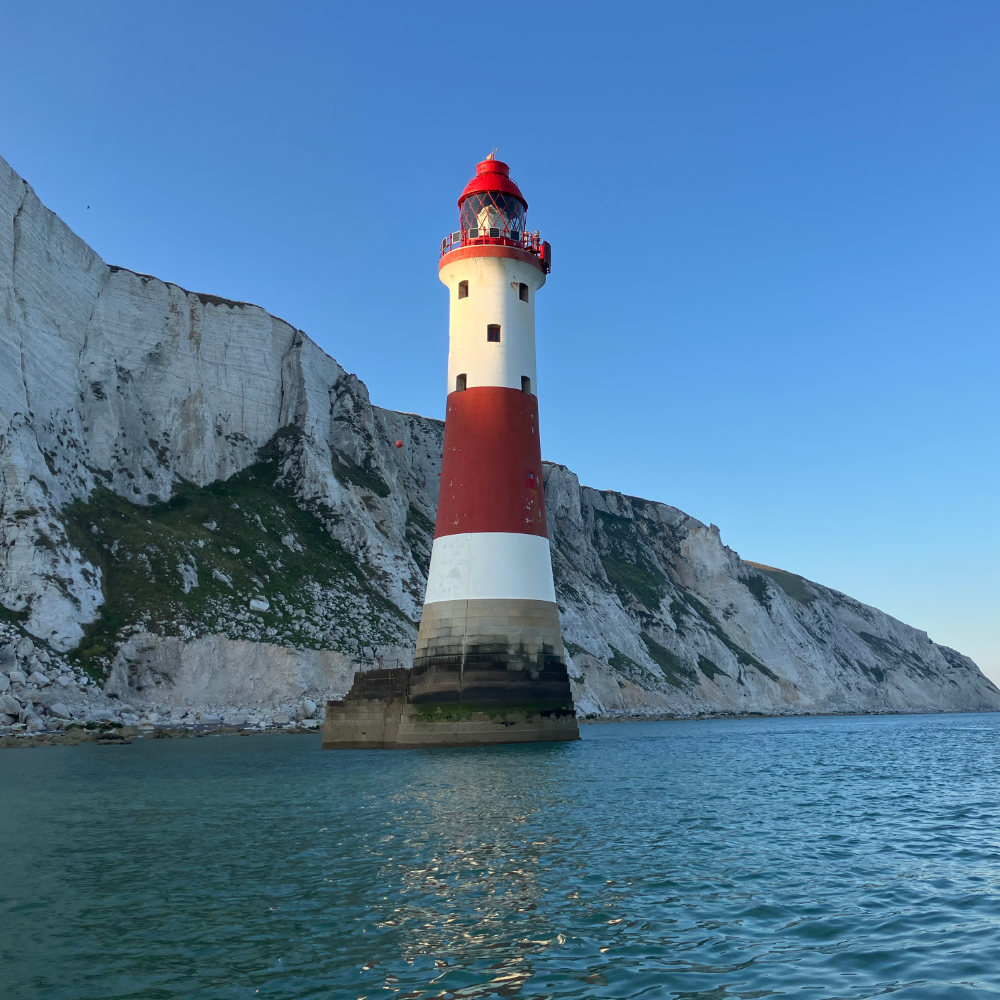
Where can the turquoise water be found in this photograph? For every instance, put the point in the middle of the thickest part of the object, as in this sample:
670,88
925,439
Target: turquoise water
806,858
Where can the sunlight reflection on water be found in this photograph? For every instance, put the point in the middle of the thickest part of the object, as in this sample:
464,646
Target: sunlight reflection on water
814,858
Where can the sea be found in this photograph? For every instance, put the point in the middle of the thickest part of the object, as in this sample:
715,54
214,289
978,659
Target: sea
814,858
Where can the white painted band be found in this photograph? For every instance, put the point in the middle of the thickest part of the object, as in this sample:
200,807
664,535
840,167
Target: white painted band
493,299
492,565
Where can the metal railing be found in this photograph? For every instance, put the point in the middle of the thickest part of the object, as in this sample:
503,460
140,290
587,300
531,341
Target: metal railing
529,242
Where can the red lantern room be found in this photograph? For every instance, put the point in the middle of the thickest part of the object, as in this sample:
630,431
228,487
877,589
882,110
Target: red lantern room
491,211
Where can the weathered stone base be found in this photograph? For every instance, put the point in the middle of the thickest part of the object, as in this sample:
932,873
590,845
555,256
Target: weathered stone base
451,628
484,671
399,727
383,711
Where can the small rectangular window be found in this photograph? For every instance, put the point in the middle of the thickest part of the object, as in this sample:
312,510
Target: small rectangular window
493,333
460,381
522,290
463,289
526,384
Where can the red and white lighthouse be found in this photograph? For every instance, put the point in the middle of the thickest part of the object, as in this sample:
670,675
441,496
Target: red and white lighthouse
489,634
489,666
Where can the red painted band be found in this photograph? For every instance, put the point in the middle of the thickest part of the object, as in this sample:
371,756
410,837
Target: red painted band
491,473
488,250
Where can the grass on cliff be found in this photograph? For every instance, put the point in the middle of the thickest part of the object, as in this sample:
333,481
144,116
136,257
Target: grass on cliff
632,581
627,568
228,536
358,475
794,586
420,535
623,664
16,618
743,657
757,586
892,655
678,673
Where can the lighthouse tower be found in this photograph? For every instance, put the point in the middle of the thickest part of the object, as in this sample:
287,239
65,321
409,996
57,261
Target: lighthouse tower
489,634
489,665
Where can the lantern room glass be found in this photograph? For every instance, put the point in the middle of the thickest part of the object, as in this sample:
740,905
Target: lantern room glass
492,214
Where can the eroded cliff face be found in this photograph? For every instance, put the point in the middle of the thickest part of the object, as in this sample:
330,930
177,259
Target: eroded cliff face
180,472
687,626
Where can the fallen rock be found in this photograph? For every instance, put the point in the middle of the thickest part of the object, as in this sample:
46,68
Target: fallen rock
60,711
4,683
281,719
306,709
10,705
34,724
17,676
260,604
38,678
24,648
64,680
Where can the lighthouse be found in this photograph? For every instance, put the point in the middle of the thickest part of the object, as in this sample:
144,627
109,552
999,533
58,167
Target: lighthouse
489,633
489,665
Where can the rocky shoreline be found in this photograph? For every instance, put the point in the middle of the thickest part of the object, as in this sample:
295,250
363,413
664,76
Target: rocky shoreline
119,735
47,699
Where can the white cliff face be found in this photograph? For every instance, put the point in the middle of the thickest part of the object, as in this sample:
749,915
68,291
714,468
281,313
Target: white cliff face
659,614
197,472
118,380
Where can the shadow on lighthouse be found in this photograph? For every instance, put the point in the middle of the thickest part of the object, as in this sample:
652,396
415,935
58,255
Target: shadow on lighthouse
489,665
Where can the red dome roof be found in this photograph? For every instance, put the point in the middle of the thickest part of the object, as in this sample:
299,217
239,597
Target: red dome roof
492,175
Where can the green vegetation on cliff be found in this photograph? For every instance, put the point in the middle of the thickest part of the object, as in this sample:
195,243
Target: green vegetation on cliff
198,560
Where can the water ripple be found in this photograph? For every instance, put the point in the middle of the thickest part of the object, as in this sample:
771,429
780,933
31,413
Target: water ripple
821,859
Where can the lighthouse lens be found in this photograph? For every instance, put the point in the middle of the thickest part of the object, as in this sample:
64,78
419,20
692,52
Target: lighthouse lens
493,214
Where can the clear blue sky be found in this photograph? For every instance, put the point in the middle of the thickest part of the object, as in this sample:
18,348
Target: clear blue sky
775,300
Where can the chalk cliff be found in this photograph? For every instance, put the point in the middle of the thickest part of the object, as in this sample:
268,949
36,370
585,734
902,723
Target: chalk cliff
183,475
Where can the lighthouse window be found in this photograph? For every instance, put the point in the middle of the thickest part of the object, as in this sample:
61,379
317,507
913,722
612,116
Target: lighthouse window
493,333
460,381
490,213
463,289
526,384
522,290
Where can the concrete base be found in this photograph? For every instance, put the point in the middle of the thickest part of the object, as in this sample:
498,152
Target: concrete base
380,711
